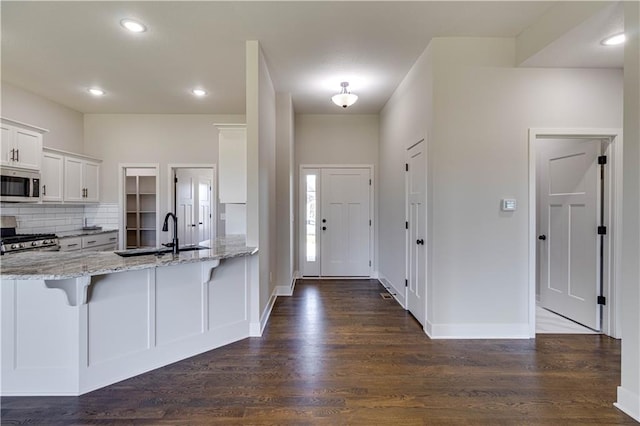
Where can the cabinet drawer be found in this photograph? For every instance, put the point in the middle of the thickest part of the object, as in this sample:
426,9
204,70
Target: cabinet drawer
70,244
89,241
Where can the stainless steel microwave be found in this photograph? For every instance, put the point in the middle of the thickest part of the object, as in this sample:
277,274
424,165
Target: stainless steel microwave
19,186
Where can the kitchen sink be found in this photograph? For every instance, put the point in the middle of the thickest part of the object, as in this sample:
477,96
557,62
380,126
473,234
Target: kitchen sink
156,251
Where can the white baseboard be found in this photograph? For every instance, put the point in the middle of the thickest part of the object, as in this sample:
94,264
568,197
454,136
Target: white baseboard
393,290
629,403
477,331
264,318
286,290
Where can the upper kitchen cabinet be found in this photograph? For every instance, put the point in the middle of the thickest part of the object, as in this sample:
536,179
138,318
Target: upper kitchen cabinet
232,163
21,145
81,179
52,176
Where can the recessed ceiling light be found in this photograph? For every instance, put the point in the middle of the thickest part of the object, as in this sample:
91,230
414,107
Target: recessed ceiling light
133,26
199,92
95,91
614,40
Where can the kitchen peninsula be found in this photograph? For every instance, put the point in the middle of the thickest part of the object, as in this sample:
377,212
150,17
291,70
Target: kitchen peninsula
73,322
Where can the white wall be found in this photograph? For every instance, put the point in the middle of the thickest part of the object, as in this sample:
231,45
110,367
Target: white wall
151,138
405,120
285,189
478,154
64,124
629,390
337,139
261,172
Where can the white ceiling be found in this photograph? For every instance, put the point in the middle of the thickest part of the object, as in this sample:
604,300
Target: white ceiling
59,49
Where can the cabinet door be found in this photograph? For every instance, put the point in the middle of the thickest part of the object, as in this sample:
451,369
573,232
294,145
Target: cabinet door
73,179
91,181
51,176
28,145
6,144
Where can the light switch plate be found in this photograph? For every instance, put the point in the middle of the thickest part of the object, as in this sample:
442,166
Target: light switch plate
509,204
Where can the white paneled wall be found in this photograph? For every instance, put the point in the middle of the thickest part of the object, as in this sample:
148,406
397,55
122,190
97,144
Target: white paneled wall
38,218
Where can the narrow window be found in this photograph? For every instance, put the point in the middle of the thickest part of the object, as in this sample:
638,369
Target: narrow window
311,218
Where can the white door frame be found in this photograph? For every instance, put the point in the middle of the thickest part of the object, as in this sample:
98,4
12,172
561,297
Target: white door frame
122,215
302,213
612,218
214,190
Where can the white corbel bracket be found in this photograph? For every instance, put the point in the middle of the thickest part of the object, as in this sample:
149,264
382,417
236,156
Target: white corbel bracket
76,289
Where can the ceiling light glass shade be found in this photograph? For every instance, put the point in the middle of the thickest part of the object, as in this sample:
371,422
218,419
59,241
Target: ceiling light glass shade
133,26
344,98
614,40
96,91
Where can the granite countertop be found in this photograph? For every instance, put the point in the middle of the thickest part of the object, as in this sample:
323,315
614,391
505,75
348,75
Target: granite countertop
81,232
43,265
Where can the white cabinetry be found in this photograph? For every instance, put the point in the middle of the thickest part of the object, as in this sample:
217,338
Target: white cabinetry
106,241
81,180
100,242
20,145
52,176
232,159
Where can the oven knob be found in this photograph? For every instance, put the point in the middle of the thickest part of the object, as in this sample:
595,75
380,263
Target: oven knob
14,246
21,245
33,244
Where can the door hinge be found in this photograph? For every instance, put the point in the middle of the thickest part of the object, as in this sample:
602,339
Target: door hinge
602,230
602,160
406,167
210,216
602,300
369,222
175,179
369,182
406,225
369,263
406,282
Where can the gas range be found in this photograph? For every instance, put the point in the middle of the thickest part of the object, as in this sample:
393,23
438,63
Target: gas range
10,242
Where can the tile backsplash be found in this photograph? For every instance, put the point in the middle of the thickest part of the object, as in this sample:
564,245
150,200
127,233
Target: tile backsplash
44,218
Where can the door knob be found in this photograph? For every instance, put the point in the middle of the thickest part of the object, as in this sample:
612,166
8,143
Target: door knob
420,241
542,237
193,225
324,220
324,228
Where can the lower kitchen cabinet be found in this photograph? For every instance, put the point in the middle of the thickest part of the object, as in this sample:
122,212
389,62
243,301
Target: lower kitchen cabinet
95,242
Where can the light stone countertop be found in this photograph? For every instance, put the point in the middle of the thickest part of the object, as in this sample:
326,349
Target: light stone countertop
43,265
81,232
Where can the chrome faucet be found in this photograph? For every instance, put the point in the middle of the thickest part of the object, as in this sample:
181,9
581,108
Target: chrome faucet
165,228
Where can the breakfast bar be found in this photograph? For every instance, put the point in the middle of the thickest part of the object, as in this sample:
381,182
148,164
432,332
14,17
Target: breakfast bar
73,322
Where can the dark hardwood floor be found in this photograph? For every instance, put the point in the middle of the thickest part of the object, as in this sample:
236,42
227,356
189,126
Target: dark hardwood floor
336,353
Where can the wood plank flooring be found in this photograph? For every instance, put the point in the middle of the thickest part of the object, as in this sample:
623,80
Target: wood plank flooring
337,353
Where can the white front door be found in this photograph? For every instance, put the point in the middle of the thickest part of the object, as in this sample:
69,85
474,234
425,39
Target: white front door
416,218
570,212
345,223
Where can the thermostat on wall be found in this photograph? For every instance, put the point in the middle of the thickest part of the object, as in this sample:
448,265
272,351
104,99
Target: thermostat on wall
509,204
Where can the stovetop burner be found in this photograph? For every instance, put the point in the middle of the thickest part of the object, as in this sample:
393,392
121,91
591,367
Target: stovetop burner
11,242
21,238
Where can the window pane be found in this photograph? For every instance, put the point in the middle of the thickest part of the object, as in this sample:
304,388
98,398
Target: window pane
311,218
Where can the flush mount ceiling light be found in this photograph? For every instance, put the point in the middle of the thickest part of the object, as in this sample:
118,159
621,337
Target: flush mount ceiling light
133,26
95,91
345,98
614,40
199,92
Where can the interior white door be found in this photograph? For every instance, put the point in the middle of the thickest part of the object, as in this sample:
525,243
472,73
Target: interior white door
345,222
205,215
416,217
185,205
569,188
